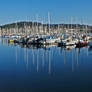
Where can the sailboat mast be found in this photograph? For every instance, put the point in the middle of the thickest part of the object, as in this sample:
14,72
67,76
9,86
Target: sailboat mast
37,24
71,25
49,22
58,32
42,28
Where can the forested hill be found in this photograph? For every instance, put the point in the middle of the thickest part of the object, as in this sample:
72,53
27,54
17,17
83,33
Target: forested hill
54,26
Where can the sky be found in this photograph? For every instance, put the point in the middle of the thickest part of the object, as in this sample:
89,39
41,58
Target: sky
61,11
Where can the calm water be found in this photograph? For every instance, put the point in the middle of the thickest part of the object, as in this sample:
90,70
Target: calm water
50,69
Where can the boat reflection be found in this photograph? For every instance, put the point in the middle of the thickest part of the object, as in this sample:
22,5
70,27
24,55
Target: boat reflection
70,48
43,57
39,56
90,50
46,57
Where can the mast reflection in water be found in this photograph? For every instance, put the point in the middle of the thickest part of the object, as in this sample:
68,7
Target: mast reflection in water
45,69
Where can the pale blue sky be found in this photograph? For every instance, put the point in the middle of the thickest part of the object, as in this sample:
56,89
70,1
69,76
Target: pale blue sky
60,10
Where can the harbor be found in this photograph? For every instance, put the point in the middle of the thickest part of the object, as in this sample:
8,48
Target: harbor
39,58
34,33
45,46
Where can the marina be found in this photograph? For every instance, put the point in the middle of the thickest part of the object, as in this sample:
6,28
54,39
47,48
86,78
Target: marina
45,46
35,33
50,61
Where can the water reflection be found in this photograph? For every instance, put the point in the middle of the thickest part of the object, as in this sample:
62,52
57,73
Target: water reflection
45,56
90,50
40,68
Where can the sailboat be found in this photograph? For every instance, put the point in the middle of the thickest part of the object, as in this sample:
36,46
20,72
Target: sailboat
50,39
68,40
82,40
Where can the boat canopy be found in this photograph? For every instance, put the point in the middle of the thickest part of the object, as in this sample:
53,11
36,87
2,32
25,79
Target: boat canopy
50,37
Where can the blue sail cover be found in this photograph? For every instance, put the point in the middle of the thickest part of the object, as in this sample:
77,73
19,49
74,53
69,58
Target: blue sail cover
48,37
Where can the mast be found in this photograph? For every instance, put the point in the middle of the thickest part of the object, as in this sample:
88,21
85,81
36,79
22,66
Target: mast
16,28
58,32
49,22
71,25
42,28
33,28
25,32
37,24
